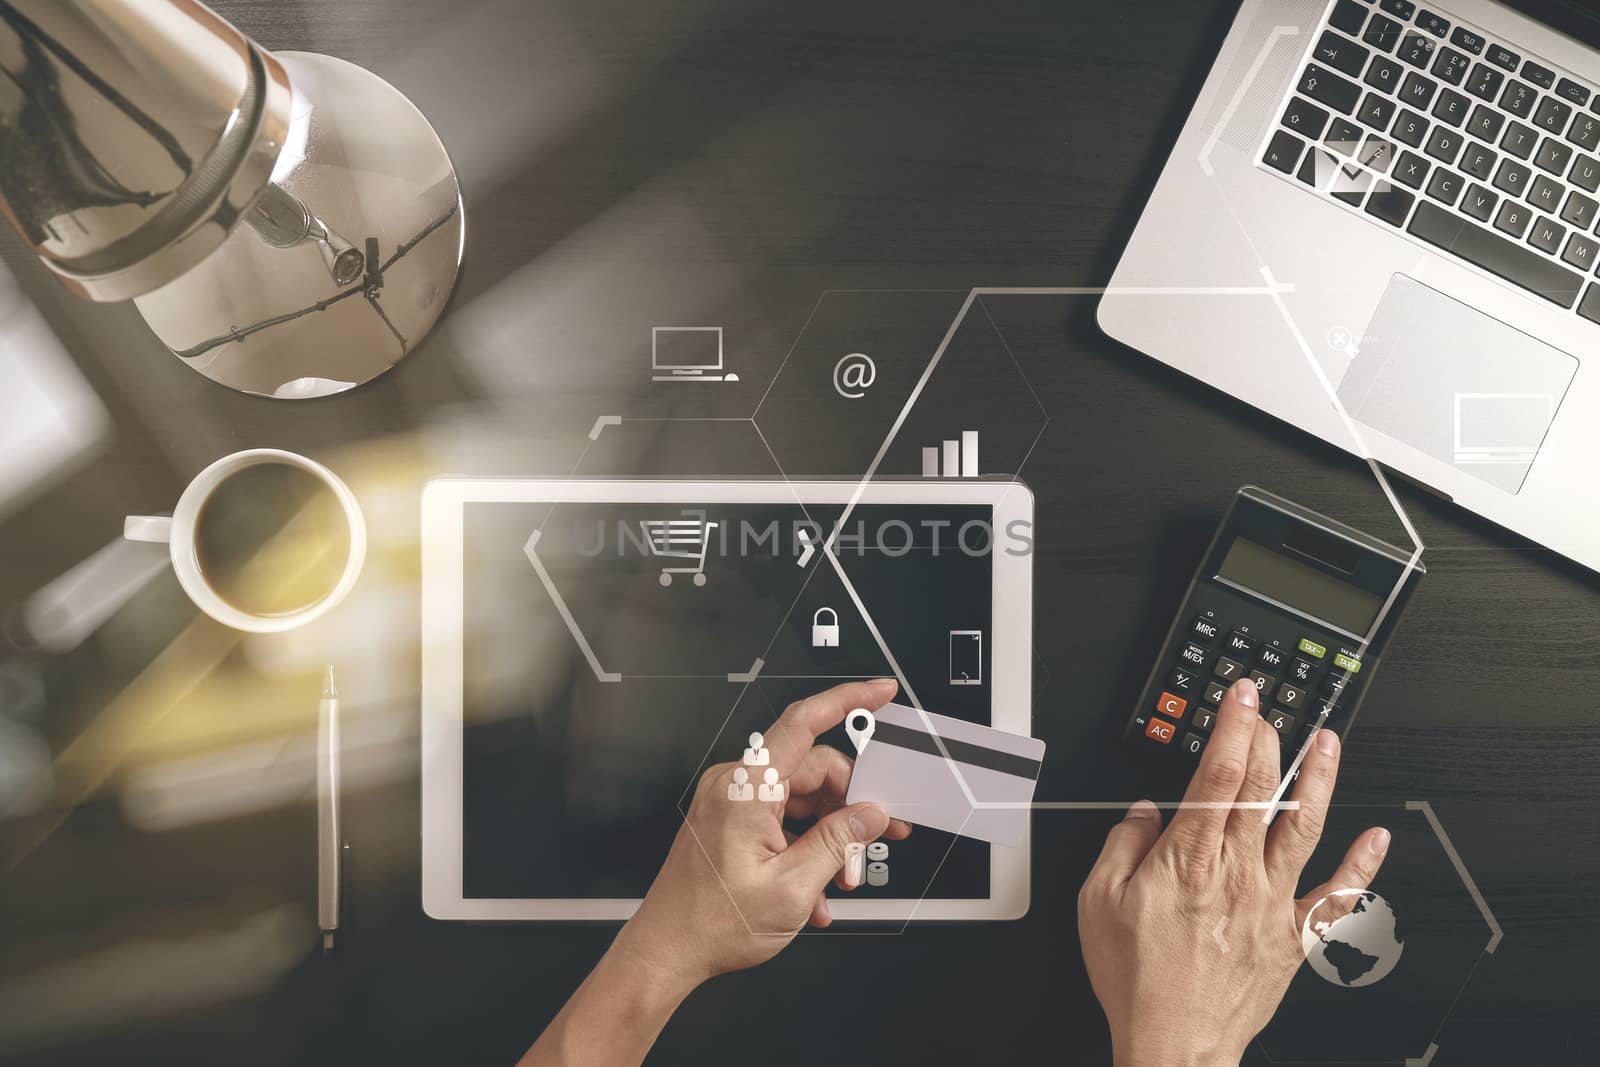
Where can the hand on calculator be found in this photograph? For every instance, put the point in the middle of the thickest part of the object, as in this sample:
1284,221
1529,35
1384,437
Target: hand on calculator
1206,913
735,889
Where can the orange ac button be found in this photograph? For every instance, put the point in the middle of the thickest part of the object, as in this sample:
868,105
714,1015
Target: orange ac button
1171,706
1160,730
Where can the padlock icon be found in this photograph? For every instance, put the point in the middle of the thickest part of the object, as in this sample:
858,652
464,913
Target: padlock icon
825,634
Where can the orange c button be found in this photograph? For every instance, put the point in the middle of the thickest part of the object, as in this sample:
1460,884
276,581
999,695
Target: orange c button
1171,706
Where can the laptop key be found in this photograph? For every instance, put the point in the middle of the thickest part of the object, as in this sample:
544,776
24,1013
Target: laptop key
1553,156
1418,91
1586,174
1350,187
1377,154
1505,259
1590,308
1543,77
1571,90
1283,152
1318,168
1580,211
1417,50
1547,235
1382,33
1513,219
1400,9
1451,107
1445,186
1412,170
1553,114
1434,24
1519,140
1348,17
1465,38
1501,56
1305,118
1519,99
1384,74
1585,132
1478,161
1376,111
1410,128
1485,82
1582,252
1512,178
1326,87
1479,203
1485,123
1389,203
1344,137
1451,65
1444,145
1342,54
1545,194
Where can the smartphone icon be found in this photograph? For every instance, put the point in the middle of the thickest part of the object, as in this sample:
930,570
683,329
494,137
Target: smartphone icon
966,657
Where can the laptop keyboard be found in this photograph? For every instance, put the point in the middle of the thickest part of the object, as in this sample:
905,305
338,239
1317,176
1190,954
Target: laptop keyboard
1433,128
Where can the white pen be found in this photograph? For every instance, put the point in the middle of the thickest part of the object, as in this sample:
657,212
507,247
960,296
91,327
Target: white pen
328,810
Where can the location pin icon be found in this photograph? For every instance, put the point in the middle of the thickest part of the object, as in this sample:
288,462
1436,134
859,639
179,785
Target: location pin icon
859,724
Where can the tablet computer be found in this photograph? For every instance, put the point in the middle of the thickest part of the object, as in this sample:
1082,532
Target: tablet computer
590,646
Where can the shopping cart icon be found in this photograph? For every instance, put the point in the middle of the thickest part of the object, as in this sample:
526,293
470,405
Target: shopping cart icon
679,539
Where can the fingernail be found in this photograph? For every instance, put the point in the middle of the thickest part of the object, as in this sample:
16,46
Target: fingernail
1245,692
1143,809
855,863
1327,742
885,681
1379,842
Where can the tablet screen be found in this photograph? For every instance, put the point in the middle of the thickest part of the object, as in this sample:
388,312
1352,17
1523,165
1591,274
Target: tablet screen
573,786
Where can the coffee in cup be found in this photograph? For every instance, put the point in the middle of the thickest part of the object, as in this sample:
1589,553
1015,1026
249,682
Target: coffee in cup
263,540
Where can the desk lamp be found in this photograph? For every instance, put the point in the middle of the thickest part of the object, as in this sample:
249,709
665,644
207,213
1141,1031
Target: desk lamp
287,223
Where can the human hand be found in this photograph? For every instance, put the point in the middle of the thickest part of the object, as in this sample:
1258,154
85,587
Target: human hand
1205,913
736,887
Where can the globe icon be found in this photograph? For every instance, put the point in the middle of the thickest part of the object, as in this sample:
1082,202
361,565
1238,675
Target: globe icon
1350,938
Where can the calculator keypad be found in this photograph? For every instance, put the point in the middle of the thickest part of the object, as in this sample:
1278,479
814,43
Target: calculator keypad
1300,684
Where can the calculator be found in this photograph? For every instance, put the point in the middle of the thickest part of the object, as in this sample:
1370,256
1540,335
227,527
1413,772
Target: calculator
1292,600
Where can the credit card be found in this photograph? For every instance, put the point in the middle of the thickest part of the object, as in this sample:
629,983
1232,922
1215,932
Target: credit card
948,774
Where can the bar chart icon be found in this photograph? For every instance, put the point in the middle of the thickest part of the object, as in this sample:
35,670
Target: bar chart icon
953,458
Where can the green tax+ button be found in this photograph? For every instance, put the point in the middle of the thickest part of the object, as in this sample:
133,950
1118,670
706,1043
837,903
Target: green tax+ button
1346,663
1311,648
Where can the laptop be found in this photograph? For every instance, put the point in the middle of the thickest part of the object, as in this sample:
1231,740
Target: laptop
687,354
1396,201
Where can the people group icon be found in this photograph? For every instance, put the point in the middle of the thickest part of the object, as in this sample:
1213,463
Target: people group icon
770,789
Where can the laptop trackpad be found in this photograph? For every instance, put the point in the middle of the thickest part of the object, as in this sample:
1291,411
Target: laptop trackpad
1450,381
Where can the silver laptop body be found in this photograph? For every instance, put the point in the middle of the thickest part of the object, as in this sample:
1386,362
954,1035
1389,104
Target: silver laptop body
1443,286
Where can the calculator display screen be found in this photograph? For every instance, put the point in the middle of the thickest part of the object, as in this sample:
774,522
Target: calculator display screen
1299,586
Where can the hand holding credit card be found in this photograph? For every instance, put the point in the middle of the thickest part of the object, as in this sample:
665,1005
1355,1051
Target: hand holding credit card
945,773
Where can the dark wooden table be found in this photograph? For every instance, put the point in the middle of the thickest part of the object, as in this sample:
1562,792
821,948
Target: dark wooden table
625,164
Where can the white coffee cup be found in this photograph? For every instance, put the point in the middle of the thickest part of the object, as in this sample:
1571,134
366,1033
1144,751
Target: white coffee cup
178,532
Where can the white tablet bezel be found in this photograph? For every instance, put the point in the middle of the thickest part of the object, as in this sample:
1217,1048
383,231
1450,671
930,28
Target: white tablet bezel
443,505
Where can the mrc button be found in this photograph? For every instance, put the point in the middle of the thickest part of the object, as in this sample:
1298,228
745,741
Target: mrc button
1204,630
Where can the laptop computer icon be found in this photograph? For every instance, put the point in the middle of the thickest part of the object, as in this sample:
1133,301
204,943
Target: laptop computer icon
687,354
